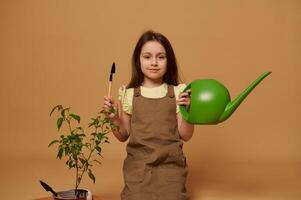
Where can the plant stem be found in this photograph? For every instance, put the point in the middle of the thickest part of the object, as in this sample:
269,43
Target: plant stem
79,177
86,165
77,181
69,125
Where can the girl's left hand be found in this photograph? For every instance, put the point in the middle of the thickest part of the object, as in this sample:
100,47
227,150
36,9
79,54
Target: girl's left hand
184,99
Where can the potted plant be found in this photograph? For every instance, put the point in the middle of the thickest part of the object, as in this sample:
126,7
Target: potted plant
81,150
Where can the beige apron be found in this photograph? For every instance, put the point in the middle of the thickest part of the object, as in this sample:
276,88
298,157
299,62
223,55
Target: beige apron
155,166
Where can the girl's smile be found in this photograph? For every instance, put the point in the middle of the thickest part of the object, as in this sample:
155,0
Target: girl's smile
153,63
154,70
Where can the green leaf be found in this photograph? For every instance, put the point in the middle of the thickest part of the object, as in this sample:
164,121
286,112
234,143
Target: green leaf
74,153
76,117
100,136
82,135
70,163
83,161
97,161
58,107
67,150
97,142
92,123
79,130
53,142
96,121
112,110
64,110
114,127
91,175
98,149
60,153
59,122
106,120
101,112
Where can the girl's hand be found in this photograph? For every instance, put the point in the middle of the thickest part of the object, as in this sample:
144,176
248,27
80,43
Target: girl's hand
184,99
110,107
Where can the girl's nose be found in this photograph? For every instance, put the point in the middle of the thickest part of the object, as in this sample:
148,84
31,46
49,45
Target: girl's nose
154,62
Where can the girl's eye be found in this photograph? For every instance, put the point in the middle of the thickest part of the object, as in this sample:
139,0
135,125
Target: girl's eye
162,57
146,57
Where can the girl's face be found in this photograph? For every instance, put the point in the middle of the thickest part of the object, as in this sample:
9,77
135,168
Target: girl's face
153,62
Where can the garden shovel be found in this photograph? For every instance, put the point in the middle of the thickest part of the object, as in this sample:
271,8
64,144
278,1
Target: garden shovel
111,78
48,188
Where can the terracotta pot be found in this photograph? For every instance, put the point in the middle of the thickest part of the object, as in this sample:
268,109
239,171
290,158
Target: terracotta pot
70,195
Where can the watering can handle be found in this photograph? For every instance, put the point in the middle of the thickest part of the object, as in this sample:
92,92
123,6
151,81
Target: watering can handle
182,108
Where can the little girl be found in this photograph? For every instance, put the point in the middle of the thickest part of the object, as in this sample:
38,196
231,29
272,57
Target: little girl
148,114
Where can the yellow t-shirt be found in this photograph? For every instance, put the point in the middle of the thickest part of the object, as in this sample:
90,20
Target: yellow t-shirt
125,96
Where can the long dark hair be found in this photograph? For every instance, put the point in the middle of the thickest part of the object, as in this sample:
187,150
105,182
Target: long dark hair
171,76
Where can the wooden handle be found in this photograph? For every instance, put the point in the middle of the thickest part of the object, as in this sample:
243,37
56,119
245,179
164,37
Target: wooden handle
110,86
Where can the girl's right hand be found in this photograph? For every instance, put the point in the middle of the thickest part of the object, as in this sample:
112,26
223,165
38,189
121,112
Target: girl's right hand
110,107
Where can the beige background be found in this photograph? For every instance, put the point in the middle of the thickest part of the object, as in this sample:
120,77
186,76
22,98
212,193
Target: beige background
60,52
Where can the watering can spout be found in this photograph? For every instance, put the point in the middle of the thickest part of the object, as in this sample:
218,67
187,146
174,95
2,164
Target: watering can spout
233,105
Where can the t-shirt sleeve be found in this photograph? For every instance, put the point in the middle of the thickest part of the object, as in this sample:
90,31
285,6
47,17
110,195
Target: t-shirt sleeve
125,96
178,89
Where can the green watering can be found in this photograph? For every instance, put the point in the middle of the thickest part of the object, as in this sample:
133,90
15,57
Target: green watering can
211,102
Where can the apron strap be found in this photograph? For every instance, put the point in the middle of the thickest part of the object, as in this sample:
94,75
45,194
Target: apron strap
170,91
137,92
